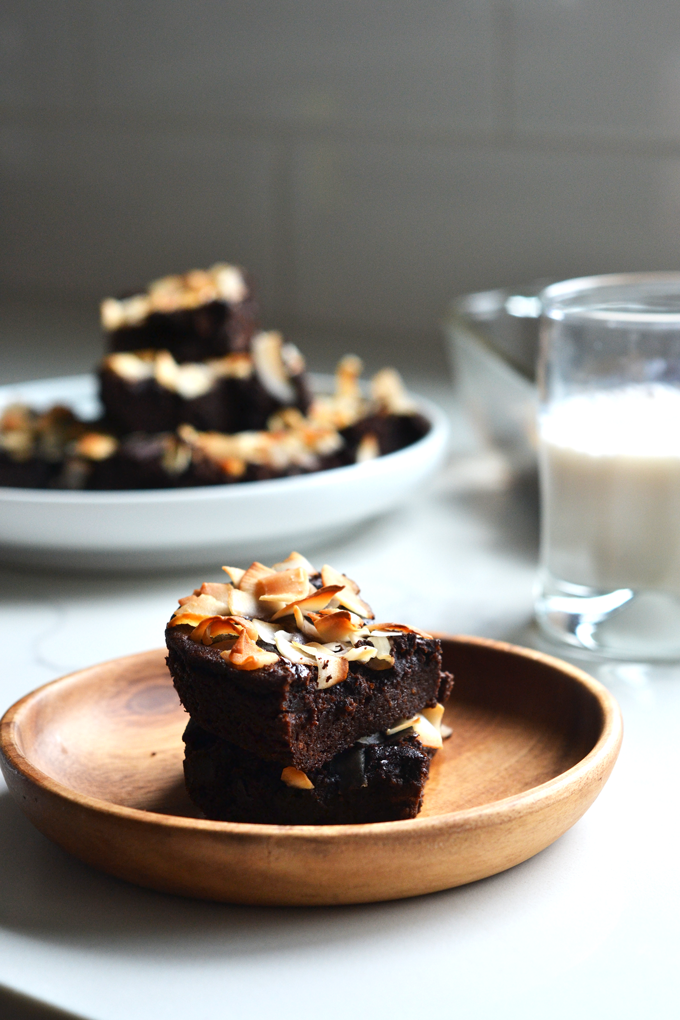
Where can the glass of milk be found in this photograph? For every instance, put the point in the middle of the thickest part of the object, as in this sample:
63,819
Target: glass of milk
609,456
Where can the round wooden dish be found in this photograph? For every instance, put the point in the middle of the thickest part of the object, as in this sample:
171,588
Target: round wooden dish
95,761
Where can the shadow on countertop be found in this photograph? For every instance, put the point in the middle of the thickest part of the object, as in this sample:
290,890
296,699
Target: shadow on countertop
15,1006
49,895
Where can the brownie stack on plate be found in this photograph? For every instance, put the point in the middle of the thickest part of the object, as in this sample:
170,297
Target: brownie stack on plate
188,361
195,393
302,709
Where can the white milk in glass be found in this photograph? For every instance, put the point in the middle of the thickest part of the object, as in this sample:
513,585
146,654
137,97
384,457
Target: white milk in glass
610,465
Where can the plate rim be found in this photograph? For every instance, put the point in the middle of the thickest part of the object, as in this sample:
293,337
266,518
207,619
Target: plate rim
602,755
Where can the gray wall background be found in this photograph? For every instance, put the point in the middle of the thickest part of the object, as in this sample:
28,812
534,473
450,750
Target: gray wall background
366,159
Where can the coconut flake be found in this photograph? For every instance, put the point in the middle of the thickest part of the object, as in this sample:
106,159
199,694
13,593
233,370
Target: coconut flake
389,393
297,779
296,559
364,653
235,573
434,715
283,586
203,605
242,603
130,366
403,724
368,448
319,600
331,670
382,646
265,631
428,734
348,596
338,626
304,625
289,651
96,446
270,367
253,575
230,283
247,655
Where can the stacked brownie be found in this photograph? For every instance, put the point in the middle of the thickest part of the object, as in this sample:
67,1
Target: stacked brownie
303,710
195,393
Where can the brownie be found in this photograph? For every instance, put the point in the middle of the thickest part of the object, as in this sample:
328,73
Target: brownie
379,779
202,314
149,391
33,445
298,707
34,473
392,432
99,461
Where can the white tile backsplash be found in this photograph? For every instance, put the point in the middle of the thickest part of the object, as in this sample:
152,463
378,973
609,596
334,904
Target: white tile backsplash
387,234
39,63
299,62
367,159
96,211
598,68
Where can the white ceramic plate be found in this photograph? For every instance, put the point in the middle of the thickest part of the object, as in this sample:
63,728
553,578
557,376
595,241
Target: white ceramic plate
160,528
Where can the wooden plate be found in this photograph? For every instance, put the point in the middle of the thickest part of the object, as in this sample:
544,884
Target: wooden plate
95,761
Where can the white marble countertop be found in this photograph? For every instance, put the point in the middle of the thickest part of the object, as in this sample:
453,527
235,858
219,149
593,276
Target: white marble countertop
587,928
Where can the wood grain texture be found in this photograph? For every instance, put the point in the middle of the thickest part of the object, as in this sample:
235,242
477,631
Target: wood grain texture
95,761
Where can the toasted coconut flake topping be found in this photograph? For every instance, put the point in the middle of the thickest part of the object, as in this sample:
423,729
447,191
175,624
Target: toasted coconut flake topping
312,603
217,589
96,446
389,393
339,626
255,573
247,654
221,626
294,777
364,653
348,596
381,662
242,603
390,629
296,560
434,715
305,625
368,448
240,618
403,724
235,574
200,606
428,734
133,367
293,654
278,450
427,725
222,282
271,368
332,670
283,586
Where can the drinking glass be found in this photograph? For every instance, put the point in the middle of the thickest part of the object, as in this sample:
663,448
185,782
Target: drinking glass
609,463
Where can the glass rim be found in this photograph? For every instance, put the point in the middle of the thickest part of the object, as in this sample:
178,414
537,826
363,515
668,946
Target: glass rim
556,299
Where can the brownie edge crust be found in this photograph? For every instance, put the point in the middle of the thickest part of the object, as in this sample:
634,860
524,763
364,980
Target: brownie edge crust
278,713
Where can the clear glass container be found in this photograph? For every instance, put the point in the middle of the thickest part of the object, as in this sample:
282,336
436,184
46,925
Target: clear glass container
609,465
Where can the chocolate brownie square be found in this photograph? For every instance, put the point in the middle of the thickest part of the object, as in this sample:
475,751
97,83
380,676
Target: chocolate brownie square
33,445
149,391
201,314
381,778
287,663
